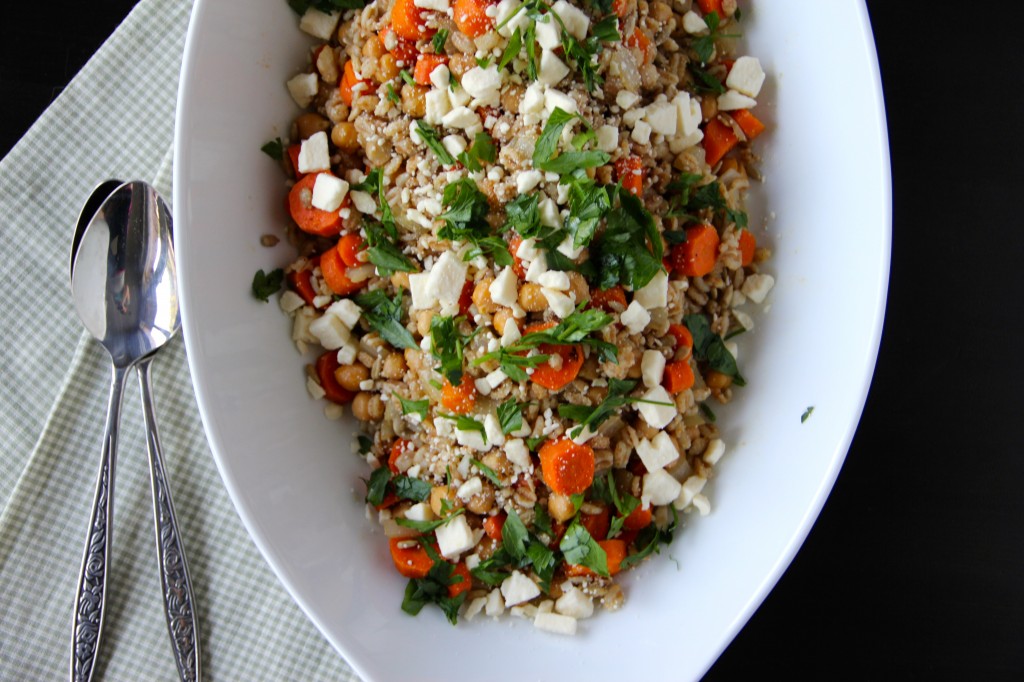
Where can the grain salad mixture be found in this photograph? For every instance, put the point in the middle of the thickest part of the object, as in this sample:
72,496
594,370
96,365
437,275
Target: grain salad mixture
522,253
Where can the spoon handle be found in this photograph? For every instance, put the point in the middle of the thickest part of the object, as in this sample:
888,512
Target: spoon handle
90,595
174,577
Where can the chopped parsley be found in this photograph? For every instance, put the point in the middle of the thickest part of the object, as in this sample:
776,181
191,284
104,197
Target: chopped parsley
385,316
630,249
446,345
483,149
383,251
365,444
544,157
392,95
433,589
466,423
704,46
419,407
708,413
515,44
649,539
302,6
410,488
592,417
377,486
510,416
581,549
710,348
466,220
489,473
430,138
428,526
807,414
274,149
439,39
407,77
265,284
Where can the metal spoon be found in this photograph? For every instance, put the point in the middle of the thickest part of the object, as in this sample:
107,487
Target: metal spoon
123,283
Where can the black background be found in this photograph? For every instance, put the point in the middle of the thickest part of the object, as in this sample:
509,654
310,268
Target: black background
915,568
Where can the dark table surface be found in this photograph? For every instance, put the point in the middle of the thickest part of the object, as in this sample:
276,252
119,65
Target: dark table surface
915,568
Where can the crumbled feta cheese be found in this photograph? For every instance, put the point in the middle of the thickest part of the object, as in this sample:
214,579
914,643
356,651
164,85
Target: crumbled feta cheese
658,409
652,368
492,427
482,84
459,97
689,114
290,301
330,331
655,293
537,268
517,453
328,192
461,117
694,23
756,286
555,99
658,453
527,180
746,76
347,354
576,21
702,504
556,623
363,202
495,603
313,154
422,299
495,379
575,604
731,100
503,289
436,5
440,77
641,132
552,69
567,249
469,488
626,99
635,317
420,511
437,105
533,99
660,487
510,334
347,311
663,118
455,537
477,605
561,304
319,24
714,451
585,435
510,16
555,279
548,35
607,138
455,144
549,214
690,488
447,278
518,588
471,439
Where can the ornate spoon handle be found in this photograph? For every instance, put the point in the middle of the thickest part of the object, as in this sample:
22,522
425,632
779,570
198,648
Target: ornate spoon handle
174,578
90,595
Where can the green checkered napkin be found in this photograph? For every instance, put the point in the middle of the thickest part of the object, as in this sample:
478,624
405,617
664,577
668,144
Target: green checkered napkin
116,119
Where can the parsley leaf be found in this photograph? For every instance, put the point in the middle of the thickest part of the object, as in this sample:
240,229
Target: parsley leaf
466,220
522,214
531,51
583,53
579,548
430,138
365,444
510,416
385,316
544,153
704,46
482,150
428,526
708,412
383,252
489,473
807,413
419,407
705,82
265,284
274,149
439,39
514,535
407,77
433,589
594,416
466,423
409,488
649,539
710,348
630,250
392,95
515,44
447,344
377,485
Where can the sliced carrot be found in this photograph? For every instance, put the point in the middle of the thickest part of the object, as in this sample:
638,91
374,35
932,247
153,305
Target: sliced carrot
349,247
407,21
390,500
471,17
349,82
404,50
709,6
748,244
293,157
597,524
412,562
308,217
570,360
629,171
696,256
514,242
425,66
640,41
719,139
678,376
614,550
457,588
459,399
684,339
748,123
604,298
567,467
466,297
620,7
325,366
397,448
301,282
494,524
333,268
638,519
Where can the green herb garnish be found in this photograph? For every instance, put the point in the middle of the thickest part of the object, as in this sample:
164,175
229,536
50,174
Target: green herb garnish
710,348
419,407
433,589
581,549
274,149
510,416
377,486
439,39
430,138
265,284
385,316
806,415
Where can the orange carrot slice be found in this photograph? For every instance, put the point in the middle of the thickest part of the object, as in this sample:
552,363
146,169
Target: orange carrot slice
719,139
629,171
748,123
335,273
748,244
412,562
425,65
696,256
407,21
471,17
678,377
308,217
459,399
567,467
570,360
325,366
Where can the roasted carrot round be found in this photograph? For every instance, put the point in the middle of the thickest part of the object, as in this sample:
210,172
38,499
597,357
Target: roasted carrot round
293,158
620,7
308,217
407,21
748,123
349,247
640,41
567,361
457,588
684,339
696,256
514,242
335,273
413,561
638,519
349,82
459,399
567,467
708,6
629,171
494,524
397,448
719,139
597,524
614,550
404,50
300,281
466,297
471,17
678,376
748,244
390,500
425,66
604,298
325,366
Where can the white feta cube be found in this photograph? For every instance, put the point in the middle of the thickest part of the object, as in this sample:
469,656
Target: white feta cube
347,354
567,249
315,390
330,332
549,213
290,301
555,279
556,623
555,99
422,299
517,453
560,303
694,24
504,288
319,24
660,487
641,132
548,35
420,511
347,311
440,77
607,138
626,99
714,451
469,488
635,318
537,268
447,278
454,144
472,439
756,286
363,202
436,5
313,154
689,114
510,334
663,118
528,250
658,453
533,99
746,76
575,604
461,117
511,14
655,293
576,21
328,192
455,537
482,84
437,105
652,368
495,603
492,427
731,100
690,489
527,180
658,409
552,69
518,588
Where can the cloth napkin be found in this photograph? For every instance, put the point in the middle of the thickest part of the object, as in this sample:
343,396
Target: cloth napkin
115,120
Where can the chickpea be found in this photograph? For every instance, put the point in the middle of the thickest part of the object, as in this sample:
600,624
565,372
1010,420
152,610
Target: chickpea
400,280
373,48
578,287
635,370
483,501
531,298
423,319
387,68
344,136
708,108
482,295
501,317
717,381
499,464
560,507
394,366
368,407
310,124
414,100
459,64
350,376
440,493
